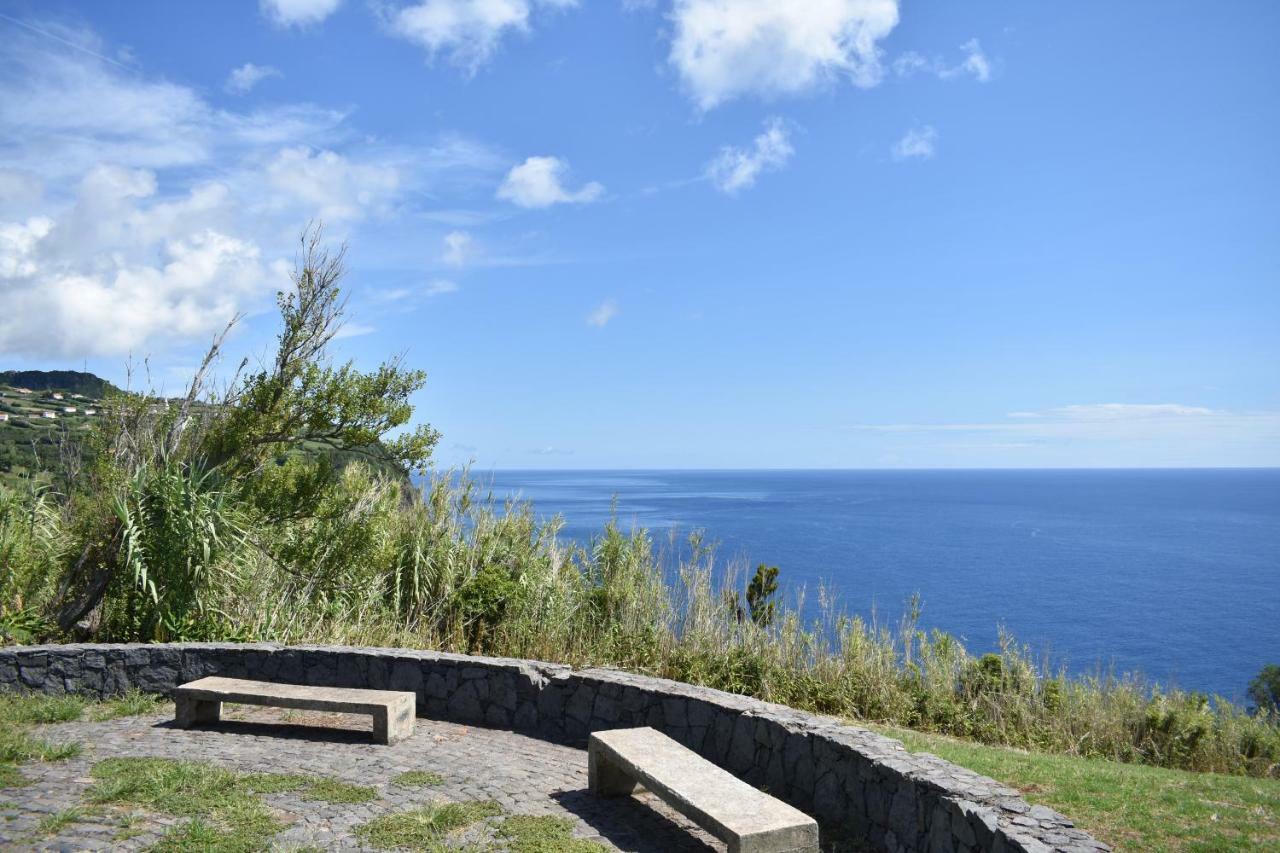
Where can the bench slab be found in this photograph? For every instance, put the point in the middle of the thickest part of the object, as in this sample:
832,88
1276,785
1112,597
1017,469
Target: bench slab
201,701
748,820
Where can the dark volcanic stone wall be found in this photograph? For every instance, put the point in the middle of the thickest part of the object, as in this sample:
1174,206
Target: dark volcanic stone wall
860,786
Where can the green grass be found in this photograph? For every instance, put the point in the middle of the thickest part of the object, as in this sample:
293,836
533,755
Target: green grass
11,777
224,814
425,828
336,791
20,711
131,704
26,709
275,783
418,777
18,745
225,810
543,834
52,824
1130,806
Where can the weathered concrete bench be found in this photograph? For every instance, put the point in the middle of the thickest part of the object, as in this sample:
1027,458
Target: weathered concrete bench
201,702
748,820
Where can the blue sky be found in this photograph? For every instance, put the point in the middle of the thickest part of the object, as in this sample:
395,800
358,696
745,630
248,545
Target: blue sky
680,233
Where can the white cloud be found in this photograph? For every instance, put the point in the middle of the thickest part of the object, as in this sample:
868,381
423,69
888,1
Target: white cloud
65,112
440,286
736,169
354,330
329,184
467,32
459,247
537,182
975,64
919,143
244,78
1096,434
298,13
118,270
603,313
135,215
19,191
724,49
1097,420
1127,411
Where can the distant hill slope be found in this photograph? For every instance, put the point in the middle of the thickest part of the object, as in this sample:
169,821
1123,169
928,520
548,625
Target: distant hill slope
39,434
71,381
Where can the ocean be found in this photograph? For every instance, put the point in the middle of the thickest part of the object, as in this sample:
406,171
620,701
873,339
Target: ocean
1171,573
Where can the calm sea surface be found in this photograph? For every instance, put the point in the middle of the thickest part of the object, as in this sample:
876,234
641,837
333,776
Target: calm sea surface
1172,573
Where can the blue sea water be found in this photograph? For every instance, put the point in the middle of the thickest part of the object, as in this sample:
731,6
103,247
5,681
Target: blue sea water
1173,573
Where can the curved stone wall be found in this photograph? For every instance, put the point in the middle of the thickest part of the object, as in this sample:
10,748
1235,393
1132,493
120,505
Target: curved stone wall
861,786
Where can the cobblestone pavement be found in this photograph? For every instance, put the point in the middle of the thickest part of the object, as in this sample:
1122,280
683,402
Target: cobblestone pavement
523,774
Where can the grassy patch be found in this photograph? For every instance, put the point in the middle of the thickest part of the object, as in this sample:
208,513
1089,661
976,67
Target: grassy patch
225,814
52,824
275,783
336,791
1131,806
425,828
418,777
11,777
25,709
17,745
131,704
543,834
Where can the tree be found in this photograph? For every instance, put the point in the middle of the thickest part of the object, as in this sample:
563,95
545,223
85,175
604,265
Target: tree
301,398
216,445
761,595
1264,690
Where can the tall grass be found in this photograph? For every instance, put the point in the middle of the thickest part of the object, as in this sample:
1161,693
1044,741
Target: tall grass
458,570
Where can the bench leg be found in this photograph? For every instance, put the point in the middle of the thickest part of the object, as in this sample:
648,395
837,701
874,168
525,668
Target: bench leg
606,779
393,724
190,711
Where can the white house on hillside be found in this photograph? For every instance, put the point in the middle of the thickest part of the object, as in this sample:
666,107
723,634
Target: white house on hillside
55,395
4,416
48,415
70,410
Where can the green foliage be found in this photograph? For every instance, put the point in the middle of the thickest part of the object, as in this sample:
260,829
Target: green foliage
300,397
177,530
761,595
1264,691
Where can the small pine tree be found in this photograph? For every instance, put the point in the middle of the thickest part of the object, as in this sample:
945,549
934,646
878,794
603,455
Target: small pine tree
762,595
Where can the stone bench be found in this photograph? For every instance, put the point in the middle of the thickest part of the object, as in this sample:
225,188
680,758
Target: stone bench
748,820
201,702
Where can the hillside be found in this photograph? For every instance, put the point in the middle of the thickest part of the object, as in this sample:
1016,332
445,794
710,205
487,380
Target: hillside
43,421
66,381
44,416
